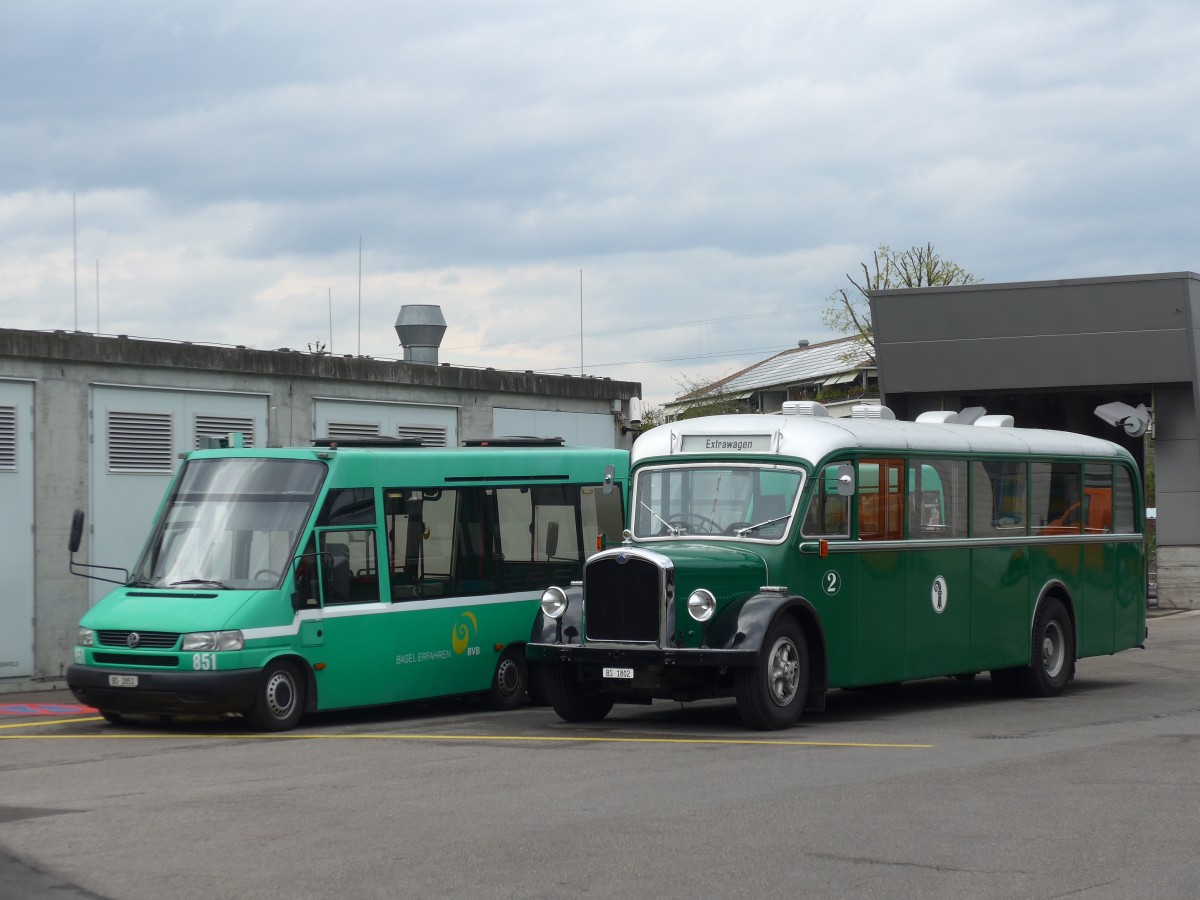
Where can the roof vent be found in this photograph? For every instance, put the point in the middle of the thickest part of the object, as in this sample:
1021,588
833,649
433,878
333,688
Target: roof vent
871,411
802,343
938,417
810,408
421,327
995,421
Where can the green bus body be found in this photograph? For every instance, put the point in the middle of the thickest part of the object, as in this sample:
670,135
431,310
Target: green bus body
765,561
276,581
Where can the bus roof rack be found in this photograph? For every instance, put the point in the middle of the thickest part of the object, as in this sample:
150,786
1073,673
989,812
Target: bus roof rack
333,443
516,440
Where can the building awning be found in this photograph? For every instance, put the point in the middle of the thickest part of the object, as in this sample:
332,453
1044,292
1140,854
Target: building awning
844,378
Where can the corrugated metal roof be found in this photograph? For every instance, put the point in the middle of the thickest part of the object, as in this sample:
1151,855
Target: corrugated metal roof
797,366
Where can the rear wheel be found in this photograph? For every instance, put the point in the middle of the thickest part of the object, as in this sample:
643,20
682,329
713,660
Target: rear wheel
112,718
770,695
510,680
568,697
279,698
1052,657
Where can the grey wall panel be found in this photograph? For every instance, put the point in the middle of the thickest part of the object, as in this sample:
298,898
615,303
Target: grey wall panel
1174,414
1080,360
1178,518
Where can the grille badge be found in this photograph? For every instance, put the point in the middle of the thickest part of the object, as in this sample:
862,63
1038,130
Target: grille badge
133,640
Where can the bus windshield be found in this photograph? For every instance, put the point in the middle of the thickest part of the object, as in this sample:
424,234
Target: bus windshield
741,501
231,524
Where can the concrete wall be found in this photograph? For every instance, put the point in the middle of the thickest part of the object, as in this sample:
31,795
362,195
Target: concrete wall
66,368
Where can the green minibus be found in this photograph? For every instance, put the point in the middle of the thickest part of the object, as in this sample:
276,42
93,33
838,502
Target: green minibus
279,581
772,558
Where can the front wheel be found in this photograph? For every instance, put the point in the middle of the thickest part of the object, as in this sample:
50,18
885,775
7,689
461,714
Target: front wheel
568,698
770,694
278,699
510,680
1052,656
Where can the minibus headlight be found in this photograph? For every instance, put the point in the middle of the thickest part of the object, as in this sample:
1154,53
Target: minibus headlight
86,638
554,602
214,640
701,605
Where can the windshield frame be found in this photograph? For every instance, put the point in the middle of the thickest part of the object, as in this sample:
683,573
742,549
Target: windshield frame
197,524
641,511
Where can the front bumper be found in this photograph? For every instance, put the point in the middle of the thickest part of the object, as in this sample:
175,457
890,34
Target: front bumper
681,657
165,693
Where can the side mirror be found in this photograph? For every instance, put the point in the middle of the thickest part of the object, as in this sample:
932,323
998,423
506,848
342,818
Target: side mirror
551,539
76,531
845,481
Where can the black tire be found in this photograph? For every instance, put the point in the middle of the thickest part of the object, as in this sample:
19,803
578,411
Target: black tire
569,699
112,718
279,698
771,694
510,680
1052,655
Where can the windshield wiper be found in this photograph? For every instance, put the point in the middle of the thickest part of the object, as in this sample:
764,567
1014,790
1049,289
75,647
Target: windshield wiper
216,584
671,528
742,532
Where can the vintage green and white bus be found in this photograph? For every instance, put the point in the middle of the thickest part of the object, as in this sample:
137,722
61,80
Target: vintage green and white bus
276,581
772,558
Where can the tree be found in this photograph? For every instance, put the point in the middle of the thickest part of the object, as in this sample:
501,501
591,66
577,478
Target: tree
705,398
848,310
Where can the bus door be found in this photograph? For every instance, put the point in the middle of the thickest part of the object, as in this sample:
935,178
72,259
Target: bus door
442,552
882,571
829,582
938,618
351,638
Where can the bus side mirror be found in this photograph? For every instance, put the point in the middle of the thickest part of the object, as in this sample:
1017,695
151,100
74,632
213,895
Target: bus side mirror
76,531
551,539
845,481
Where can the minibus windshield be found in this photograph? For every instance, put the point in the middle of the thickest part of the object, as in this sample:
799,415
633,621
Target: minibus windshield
738,501
231,524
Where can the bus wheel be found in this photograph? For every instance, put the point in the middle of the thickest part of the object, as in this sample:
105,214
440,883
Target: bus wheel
567,696
510,681
279,699
112,718
1052,659
771,694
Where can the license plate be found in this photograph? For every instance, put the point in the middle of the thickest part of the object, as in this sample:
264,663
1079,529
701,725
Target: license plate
122,680
617,673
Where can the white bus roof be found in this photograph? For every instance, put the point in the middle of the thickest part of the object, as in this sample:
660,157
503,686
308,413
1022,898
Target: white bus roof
813,438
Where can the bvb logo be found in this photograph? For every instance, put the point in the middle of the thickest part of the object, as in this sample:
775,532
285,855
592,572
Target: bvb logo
464,629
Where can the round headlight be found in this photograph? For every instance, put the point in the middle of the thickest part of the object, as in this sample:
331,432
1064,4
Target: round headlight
701,605
554,602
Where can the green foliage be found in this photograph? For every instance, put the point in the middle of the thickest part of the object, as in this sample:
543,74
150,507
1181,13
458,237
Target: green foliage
848,310
708,401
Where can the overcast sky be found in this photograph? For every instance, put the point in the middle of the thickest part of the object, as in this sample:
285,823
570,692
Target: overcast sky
714,169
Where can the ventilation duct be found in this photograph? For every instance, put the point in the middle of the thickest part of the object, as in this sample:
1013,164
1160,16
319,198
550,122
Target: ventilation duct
421,328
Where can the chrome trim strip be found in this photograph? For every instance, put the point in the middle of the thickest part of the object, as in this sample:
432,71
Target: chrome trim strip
860,546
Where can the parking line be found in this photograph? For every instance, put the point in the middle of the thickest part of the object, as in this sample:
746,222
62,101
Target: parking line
551,739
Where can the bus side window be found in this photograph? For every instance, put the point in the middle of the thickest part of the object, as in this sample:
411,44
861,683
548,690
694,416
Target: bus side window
997,498
881,499
937,506
1125,518
1056,498
348,506
828,513
349,570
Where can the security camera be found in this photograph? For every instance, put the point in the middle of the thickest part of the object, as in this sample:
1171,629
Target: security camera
635,411
1135,422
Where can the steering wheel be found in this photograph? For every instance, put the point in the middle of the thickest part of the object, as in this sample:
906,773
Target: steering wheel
266,575
688,521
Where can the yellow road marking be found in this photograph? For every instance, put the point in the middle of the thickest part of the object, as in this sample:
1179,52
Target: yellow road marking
54,722
559,739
